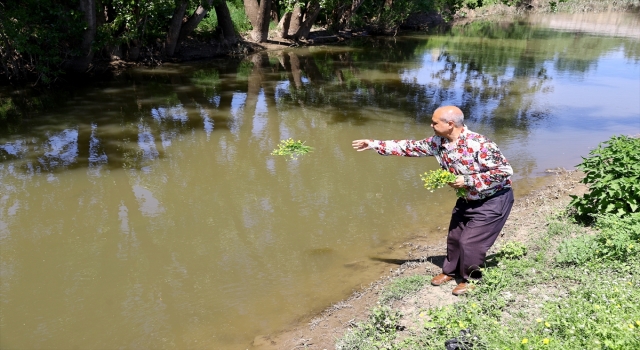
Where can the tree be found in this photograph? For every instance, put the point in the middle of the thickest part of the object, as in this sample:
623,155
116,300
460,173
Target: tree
180,29
81,61
259,16
225,24
297,23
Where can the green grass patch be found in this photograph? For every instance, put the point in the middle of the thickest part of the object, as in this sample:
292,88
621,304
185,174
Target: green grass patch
403,286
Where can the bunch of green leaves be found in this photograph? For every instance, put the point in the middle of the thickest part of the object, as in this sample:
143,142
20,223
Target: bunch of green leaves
435,179
291,148
512,250
612,172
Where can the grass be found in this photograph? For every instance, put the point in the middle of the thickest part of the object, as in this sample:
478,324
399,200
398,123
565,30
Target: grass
534,294
403,286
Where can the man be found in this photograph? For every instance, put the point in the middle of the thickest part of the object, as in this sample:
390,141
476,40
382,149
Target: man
481,170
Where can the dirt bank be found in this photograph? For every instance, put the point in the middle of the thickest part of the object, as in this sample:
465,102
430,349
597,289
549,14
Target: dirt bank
320,331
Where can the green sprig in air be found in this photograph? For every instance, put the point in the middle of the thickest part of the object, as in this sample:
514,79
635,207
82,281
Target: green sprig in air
439,178
291,148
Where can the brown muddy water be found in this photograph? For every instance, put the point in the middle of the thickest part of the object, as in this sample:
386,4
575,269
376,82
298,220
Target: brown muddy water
148,211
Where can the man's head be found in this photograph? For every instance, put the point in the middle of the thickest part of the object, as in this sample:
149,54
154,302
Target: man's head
447,121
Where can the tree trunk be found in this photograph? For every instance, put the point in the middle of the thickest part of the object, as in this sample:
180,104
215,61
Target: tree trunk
259,16
224,22
346,15
283,26
190,25
310,15
174,29
81,63
296,21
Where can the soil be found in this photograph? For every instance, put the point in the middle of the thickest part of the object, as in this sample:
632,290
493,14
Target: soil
320,331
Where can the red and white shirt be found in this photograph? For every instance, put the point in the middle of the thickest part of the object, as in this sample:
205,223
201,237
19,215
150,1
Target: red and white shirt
484,168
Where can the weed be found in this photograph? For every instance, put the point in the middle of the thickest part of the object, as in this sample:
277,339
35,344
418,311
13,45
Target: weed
512,250
402,287
291,148
439,178
378,332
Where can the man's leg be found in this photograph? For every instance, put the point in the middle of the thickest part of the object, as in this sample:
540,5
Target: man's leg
457,225
485,222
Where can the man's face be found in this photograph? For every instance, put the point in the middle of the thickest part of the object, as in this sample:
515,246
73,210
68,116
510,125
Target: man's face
439,126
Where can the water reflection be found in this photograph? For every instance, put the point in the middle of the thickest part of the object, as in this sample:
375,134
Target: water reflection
148,211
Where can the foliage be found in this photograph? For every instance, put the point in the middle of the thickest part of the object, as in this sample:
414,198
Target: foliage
378,17
553,5
512,250
439,178
240,20
291,148
7,109
617,240
36,37
401,287
612,172
378,332
136,21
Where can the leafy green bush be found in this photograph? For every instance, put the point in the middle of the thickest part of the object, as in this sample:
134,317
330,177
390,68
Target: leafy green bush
613,176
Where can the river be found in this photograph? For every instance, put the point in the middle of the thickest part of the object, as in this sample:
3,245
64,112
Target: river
148,212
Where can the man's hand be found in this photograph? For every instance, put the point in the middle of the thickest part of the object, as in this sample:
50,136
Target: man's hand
459,183
361,145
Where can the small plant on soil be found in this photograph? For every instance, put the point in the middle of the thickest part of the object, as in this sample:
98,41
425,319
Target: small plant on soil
378,332
439,178
291,148
512,250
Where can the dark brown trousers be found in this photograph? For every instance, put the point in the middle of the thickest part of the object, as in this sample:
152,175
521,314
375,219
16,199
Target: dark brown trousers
474,227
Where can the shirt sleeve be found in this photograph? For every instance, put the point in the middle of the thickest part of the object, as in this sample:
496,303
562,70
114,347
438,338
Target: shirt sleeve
404,148
494,170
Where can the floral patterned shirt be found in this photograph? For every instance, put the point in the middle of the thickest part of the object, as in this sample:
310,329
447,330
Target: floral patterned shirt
484,168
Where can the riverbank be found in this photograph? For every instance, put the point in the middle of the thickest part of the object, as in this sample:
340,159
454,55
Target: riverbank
415,258
542,288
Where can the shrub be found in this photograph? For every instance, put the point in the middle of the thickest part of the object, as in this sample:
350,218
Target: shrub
613,176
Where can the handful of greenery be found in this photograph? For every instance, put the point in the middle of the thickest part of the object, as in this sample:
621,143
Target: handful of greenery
291,148
438,178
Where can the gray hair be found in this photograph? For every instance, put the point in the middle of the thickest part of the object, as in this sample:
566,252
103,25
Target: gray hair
453,115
